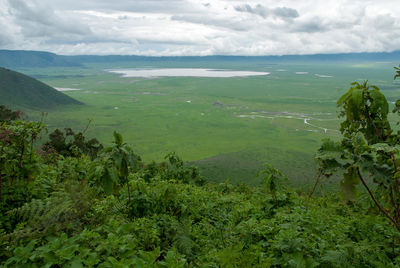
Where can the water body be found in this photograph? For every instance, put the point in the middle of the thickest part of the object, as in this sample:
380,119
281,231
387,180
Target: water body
323,75
66,89
184,72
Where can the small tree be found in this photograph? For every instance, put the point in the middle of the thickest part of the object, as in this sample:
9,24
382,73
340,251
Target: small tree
114,164
18,160
7,115
369,147
72,144
272,179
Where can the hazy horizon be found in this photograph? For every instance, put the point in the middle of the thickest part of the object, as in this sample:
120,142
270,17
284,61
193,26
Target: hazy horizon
200,56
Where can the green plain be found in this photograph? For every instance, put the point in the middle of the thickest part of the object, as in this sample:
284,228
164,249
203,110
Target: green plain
228,127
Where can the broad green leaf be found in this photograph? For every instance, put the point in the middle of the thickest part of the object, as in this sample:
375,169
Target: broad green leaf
117,157
124,169
344,98
397,72
357,97
108,180
118,138
384,147
329,150
379,102
107,184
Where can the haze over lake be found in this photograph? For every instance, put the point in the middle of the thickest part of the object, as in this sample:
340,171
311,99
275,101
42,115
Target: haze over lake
180,72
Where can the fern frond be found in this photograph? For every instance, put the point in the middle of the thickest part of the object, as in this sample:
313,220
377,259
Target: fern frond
55,213
183,241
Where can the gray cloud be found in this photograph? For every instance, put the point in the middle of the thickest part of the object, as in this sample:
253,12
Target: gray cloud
285,12
148,6
38,20
383,21
258,10
264,12
313,25
236,25
192,27
165,42
5,39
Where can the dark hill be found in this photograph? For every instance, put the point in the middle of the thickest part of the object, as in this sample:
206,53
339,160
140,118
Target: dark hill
22,58
20,91
28,59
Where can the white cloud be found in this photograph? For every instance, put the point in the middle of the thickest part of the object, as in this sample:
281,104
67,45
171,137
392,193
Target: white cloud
193,27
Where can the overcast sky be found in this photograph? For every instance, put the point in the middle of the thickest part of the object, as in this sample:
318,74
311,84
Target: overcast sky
196,27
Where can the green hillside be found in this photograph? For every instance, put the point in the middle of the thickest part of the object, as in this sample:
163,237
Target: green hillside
21,91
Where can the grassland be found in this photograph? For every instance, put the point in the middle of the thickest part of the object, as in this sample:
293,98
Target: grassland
228,127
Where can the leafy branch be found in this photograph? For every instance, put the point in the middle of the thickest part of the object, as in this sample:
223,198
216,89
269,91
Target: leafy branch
369,144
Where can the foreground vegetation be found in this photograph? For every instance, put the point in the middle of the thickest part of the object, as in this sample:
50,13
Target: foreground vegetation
73,203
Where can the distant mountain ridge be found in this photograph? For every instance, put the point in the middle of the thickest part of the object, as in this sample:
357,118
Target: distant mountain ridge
26,58
342,57
20,91
22,58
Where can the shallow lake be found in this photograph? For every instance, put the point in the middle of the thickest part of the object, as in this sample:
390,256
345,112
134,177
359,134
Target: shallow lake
66,89
193,72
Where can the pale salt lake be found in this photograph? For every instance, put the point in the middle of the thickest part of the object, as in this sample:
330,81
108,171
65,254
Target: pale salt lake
184,72
66,89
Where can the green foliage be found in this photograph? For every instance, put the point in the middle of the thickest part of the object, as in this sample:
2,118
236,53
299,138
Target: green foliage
62,210
114,165
273,179
71,144
7,115
174,169
18,160
115,211
203,226
365,110
370,146
397,75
